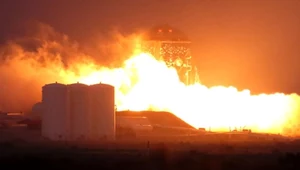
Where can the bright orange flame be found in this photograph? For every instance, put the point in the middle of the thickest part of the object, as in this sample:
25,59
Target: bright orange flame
146,83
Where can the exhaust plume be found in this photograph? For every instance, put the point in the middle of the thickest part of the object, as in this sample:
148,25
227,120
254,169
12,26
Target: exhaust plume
142,82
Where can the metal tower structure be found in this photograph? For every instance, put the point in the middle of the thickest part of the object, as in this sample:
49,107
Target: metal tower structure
174,47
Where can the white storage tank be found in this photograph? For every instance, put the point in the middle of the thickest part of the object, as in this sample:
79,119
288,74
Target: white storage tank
79,109
55,116
102,107
36,111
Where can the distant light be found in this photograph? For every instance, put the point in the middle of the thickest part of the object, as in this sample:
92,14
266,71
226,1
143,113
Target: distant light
170,30
14,114
159,30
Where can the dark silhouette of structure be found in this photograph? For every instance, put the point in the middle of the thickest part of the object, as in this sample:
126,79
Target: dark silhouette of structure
174,47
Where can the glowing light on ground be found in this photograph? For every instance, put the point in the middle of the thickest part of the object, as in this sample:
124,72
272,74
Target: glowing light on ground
144,83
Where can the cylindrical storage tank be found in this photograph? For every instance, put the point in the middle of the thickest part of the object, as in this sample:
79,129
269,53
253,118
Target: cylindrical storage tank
79,110
55,116
102,107
36,111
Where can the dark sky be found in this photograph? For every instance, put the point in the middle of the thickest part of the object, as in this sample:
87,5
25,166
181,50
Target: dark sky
252,44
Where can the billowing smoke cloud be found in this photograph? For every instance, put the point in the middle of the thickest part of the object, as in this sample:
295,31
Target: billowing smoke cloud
111,48
43,55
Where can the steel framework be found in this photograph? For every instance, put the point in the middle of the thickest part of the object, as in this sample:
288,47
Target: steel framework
172,46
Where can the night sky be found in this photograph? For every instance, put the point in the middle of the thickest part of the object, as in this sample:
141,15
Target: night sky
253,44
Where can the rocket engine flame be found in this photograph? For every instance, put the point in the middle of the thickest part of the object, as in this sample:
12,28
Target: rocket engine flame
144,83
141,83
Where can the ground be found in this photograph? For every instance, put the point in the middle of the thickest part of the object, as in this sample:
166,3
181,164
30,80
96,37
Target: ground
24,148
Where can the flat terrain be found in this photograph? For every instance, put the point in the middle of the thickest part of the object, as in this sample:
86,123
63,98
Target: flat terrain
24,148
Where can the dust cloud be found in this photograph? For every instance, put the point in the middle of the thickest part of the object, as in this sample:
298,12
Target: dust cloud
43,55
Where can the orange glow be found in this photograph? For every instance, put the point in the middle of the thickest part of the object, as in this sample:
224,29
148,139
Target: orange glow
144,83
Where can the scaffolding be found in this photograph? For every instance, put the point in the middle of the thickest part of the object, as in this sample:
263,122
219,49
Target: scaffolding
173,47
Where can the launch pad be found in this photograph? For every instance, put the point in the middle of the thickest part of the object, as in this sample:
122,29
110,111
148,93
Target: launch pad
172,46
